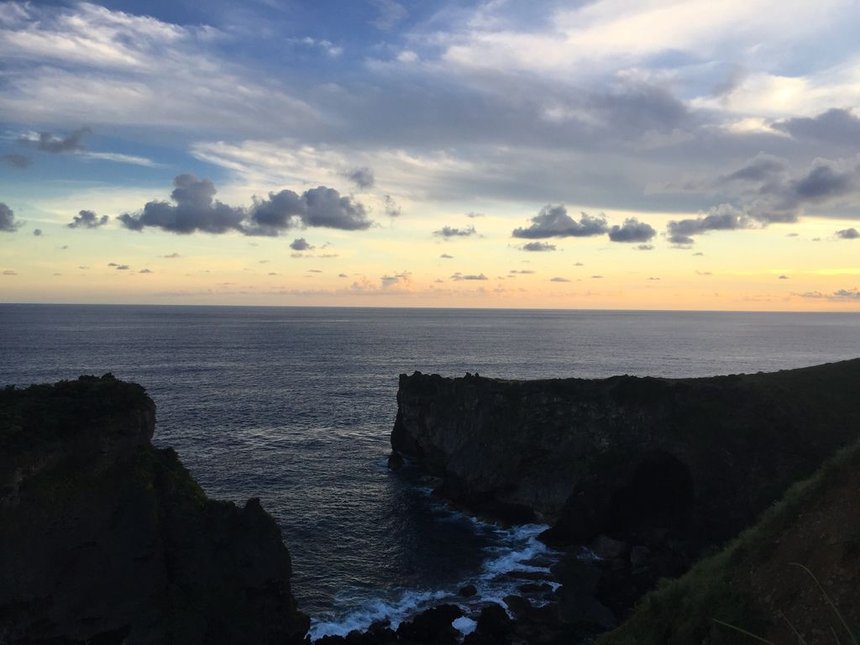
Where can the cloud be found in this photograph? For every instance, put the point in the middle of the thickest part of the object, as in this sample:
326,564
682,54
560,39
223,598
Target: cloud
390,14
15,160
783,277
10,272
839,294
558,279
553,221
760,168
645,247
468,276
448,232
195,209
836,126
396,279
445,256
47,142
145,271
87,219
301,244
7,219
632,231
119,267
392,208
361,177
848,233
537,247
473,215
521,271
724,217
37,232
172,256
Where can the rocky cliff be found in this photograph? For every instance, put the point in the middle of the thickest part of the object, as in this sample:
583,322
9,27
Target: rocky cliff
104,538
626,456
791,578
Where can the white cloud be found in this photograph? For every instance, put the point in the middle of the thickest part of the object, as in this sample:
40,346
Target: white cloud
92,65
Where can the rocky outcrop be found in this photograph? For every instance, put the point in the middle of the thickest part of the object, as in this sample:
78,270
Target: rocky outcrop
104,538
635,458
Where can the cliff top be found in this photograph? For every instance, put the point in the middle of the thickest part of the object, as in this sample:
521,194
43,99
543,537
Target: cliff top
64,410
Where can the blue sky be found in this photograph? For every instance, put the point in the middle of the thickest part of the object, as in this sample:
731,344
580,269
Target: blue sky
689,153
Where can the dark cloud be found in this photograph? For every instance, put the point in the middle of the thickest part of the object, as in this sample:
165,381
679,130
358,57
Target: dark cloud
825,180
172,256
445,256
342,275
839,294
325,207
195,209
783,277
468,276
449,232
538,247
558,279
632,231
301,244
119,267
645,247
361,177
473,215
87,219
836,126
7,219
392,208
37,232
722,218
10,272
396,278
521,271
553,221
145,271
15,160
848,233
47,142
597,277
762,167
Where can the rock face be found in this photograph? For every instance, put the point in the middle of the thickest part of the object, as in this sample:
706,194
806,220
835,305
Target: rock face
641,459
104,538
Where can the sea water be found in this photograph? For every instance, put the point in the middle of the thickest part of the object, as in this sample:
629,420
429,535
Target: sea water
295,406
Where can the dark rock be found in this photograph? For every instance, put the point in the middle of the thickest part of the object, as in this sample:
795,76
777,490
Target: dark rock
101,534
639,556
395,461
605,548
534,588
468,591
494,627
518,606
432,626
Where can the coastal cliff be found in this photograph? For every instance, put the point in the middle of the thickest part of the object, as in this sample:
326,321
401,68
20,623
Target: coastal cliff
695,459
104,538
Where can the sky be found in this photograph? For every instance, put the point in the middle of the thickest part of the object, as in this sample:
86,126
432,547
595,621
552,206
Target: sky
673,154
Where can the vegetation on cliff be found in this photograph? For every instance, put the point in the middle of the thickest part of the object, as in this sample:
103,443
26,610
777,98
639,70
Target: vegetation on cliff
105,538
793,577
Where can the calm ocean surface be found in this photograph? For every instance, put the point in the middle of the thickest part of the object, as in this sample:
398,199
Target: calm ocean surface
295,406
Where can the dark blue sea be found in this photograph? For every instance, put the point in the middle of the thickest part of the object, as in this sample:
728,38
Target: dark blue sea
295,406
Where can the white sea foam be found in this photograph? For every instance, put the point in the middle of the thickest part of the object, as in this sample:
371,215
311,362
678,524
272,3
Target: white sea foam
396,611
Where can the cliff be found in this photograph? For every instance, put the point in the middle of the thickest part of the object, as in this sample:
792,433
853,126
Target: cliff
792,577
104,538
634,458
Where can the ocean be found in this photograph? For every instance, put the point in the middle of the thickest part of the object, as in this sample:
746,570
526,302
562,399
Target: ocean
295,406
